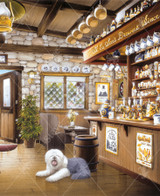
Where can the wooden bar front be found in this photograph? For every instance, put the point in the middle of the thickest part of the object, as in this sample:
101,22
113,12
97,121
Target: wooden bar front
125,160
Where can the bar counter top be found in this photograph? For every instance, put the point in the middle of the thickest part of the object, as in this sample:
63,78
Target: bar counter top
135,123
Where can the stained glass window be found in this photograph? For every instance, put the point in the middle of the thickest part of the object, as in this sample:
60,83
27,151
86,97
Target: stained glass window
64,92
53,92
75,92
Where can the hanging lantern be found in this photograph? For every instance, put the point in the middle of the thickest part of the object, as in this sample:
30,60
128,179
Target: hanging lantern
10,11
91,21
84,28
77,34
100,12
70,39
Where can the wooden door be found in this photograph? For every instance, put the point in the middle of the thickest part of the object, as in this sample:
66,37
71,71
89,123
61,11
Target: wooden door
8,105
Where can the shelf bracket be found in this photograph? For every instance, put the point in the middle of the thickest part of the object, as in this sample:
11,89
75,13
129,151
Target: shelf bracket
99,125
126,129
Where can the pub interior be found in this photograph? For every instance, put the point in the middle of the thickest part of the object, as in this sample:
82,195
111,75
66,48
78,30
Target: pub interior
81,77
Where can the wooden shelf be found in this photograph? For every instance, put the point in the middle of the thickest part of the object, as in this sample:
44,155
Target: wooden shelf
147,97
142,89
146,60
139,79
148,48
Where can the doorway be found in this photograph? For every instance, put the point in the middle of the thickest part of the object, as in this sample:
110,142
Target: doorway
10,96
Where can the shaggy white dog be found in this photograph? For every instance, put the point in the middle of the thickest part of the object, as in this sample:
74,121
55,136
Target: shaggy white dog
58,167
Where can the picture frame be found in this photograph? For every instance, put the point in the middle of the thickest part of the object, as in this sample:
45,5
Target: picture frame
93,129
111,140
144,149
102,92
3,59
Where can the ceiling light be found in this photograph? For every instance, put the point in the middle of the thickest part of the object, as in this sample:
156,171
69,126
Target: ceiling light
84,28
100,12
70,39
77,34
10,11
116,54
91,21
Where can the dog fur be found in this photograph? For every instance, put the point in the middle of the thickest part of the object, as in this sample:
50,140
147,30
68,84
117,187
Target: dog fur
58,166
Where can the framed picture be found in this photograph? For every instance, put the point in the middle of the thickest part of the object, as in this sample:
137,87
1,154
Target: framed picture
144,149
93,128
3,58
102,92
111,142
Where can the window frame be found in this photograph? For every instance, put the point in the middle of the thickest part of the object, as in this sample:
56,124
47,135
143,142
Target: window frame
65,75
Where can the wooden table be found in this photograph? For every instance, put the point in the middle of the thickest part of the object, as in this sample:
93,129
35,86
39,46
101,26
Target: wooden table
71,132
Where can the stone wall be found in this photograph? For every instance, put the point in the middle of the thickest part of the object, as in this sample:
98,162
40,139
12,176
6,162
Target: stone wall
33,61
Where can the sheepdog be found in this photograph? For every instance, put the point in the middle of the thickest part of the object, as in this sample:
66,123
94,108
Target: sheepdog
58,166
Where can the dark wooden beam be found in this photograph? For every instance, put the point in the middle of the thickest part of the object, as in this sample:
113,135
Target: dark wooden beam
49,16
40,49
77,7
33,29
43,3
2,38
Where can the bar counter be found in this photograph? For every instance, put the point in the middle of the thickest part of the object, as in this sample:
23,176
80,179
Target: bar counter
126,157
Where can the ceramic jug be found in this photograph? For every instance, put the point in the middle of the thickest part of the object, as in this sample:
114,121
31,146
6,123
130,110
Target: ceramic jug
131,49
149,41
143,44
127,50
137,46
156,37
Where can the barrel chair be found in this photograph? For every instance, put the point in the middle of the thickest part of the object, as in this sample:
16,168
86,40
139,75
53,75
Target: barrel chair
49,135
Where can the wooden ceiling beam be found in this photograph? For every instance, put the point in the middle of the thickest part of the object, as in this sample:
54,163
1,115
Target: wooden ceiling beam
76,7
40,49
43,3
33,29
49,16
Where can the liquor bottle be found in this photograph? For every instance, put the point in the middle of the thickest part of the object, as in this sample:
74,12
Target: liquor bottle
137,74
131,13
104,33
154,1
141,6
145,4
92,40
135,11
134,91
126,17
108,29
138,10
113,25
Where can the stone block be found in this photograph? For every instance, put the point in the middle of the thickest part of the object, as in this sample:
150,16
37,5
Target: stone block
38,41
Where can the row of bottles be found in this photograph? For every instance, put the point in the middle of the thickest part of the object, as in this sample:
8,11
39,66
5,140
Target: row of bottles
152,71
128,15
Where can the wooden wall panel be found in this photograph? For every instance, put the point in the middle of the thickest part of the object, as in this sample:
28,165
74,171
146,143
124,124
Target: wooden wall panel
126,157
7,127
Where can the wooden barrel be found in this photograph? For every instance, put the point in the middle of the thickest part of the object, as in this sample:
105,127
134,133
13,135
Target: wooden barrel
86,147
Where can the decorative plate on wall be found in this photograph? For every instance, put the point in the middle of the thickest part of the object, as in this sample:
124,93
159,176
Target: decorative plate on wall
55,68
76,69
45,68
86,69
66,69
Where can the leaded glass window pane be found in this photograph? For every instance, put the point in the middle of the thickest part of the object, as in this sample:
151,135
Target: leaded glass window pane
75,92
53,92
